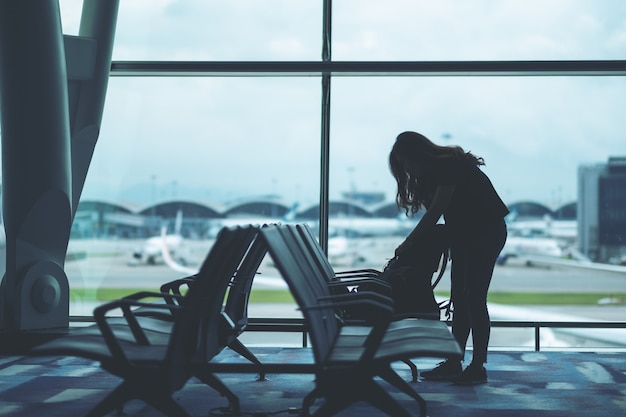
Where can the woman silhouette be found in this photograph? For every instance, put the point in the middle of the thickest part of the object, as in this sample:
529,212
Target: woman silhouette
446,180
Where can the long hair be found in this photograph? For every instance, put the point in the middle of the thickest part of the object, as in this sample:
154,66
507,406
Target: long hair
413,192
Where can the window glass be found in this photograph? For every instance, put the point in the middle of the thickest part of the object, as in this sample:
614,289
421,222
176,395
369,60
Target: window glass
410,30
197,30
250,146
541,138
533,132
243,148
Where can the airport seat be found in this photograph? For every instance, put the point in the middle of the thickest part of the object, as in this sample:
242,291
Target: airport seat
339,282
152,372
348,358
157,322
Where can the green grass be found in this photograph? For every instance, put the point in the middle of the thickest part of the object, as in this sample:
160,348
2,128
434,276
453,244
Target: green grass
283,296
532,298
102,295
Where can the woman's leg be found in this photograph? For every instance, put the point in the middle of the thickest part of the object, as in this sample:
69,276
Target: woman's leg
461,320
480,265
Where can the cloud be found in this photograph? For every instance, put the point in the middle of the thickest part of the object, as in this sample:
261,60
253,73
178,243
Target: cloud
256,134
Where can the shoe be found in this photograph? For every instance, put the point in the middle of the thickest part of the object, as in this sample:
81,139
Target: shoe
472,375
444,371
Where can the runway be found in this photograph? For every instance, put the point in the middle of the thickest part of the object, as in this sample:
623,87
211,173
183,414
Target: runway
106,263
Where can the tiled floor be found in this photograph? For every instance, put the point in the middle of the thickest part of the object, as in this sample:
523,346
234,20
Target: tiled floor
520,384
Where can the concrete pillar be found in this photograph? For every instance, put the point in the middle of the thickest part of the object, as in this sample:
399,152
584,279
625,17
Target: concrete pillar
35,164
52,97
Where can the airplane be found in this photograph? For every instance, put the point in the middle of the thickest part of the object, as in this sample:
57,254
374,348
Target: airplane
544,237
616,337
347,234
542,227
523,247
151,254
370,226
264,281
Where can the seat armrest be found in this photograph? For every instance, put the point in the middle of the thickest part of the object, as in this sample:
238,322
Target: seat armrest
366,272
174,287
381,286
172,299
125,305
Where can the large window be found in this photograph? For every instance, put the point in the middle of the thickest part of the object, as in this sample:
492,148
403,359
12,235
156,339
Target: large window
535,88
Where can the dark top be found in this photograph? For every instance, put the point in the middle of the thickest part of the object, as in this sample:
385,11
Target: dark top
475,204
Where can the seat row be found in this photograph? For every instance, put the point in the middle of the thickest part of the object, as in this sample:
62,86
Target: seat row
163,339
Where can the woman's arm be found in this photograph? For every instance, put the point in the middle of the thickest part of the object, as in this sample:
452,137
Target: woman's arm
441,200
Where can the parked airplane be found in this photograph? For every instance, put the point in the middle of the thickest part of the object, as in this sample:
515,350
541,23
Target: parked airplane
614,337
151,254
545,237
543,227
271,282
370,226
522,247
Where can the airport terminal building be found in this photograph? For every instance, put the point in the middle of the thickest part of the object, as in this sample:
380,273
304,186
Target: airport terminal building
602,210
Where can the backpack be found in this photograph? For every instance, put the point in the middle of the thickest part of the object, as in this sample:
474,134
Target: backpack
410,277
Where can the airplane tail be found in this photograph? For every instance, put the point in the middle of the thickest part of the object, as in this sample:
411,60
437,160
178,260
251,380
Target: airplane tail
290,215
167,256
178,223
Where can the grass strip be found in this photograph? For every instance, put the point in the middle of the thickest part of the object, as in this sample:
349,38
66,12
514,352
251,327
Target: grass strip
284,296
536,298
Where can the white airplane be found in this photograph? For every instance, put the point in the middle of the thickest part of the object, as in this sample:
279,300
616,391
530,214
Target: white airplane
543,227
345,235
260,280
151,251
548,242
576,263
370,226
616,337
544,237
523,247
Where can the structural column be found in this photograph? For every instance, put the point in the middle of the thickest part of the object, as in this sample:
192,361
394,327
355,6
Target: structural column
36,165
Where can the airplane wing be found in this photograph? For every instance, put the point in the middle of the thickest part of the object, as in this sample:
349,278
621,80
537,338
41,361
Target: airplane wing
547,260
506,312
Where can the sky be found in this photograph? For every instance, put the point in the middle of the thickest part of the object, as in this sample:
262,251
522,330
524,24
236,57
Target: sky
219,139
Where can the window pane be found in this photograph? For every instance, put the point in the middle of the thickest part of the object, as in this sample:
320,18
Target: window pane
534,134
218,30
197,30
414,30
201,145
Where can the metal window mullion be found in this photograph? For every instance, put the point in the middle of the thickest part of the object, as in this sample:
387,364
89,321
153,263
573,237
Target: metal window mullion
325,130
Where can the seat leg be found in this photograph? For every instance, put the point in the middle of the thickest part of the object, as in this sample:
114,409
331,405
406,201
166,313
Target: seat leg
367,391
339,391
241,349
115,400
166,405
413,369
381,399
214,382
307,402
389,375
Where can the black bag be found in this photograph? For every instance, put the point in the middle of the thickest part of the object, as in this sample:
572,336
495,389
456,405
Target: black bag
410,276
